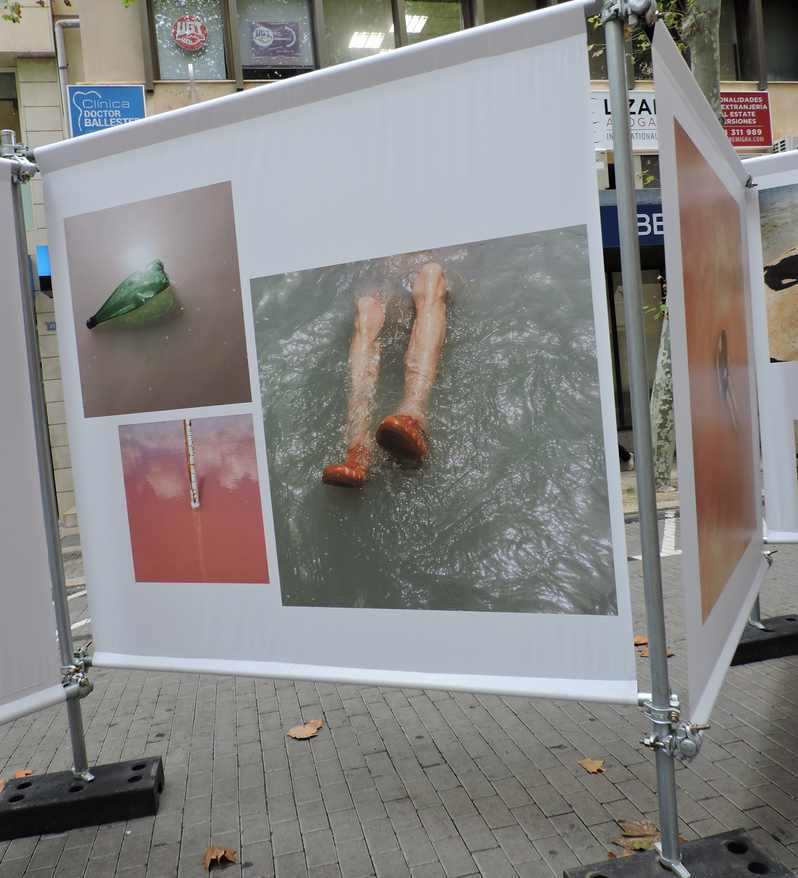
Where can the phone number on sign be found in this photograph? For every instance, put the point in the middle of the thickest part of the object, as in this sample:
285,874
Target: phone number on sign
746,132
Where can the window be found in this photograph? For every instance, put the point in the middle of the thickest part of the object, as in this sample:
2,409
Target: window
781,32
276,38
357,28
9,109
495,10
190,32
425,19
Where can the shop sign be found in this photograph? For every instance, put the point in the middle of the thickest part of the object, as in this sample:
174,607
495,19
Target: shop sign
97,107
649,225
190,33
271,40
746,118
642,120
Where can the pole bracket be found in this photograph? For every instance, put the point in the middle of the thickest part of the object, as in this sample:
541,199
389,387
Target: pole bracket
635,13
76,674
24,168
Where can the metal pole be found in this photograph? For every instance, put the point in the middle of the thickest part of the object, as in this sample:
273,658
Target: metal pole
660,709
47,482
63,65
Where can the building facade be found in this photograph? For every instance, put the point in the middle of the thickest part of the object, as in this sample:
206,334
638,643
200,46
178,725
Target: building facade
185,51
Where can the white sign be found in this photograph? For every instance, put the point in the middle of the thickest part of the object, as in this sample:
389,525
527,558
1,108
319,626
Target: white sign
705,200
642,120
207,371
29,659
773,239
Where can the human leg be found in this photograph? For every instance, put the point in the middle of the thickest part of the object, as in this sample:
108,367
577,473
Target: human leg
364,365
403,433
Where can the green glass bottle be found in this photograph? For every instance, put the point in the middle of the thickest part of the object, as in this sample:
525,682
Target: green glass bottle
142,298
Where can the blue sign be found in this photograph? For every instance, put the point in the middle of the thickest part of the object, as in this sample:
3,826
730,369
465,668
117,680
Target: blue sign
97,107
649,225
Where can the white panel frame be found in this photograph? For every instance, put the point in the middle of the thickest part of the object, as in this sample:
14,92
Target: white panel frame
711,644
277,126
30,675
777,382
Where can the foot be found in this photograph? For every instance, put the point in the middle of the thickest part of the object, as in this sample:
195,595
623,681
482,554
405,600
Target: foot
403,436
350,474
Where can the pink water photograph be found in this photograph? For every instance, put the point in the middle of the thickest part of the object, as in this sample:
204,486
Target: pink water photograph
193,500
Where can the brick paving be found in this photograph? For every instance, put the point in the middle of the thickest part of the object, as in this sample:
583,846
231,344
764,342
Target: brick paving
410,784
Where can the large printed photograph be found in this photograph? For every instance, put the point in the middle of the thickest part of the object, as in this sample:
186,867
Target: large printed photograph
434,430
156,295
778,209
720,366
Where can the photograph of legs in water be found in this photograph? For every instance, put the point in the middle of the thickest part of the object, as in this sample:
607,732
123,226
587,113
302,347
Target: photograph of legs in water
434,430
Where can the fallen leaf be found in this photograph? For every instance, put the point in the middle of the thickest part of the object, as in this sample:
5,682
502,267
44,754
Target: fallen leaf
636,843
611,855
592,766
26,772
641,640
218,855
643,652
638,827
309,730
2,784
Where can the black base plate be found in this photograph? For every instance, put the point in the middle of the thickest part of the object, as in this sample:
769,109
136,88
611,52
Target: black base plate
779,640
729,855
46,803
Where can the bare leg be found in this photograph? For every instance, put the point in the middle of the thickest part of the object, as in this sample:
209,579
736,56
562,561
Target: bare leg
364,365
403,432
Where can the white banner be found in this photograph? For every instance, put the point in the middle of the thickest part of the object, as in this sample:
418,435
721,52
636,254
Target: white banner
772,224
29,661
704,198
272,259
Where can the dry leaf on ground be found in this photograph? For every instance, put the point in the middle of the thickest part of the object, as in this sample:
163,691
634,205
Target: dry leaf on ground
592,766
638,827
26,772
218,855
636,843
644,652
641,640
309,730
2,784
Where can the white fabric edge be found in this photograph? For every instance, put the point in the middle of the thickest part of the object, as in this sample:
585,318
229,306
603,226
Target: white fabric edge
604,691
705,671
685,81
780,536
702,710
48,697
776,163
769,172
498,38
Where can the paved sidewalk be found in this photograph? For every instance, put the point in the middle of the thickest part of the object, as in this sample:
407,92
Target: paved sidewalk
410,783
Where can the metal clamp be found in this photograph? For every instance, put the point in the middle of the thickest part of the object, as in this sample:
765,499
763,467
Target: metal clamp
663,716
76,674
683,741
636,13
24,168
768,554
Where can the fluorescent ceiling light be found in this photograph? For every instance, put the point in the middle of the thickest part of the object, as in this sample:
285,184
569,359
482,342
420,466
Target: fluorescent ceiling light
366,39
415,23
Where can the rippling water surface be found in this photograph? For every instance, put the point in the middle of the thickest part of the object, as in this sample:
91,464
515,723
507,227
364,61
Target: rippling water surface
509,512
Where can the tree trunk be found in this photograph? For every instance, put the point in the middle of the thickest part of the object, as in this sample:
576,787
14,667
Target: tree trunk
701,31
662,421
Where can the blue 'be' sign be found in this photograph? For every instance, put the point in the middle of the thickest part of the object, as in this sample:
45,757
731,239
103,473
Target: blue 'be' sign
97,107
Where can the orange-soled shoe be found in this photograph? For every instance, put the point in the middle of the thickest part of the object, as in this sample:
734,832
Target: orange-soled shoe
402,436
350,474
